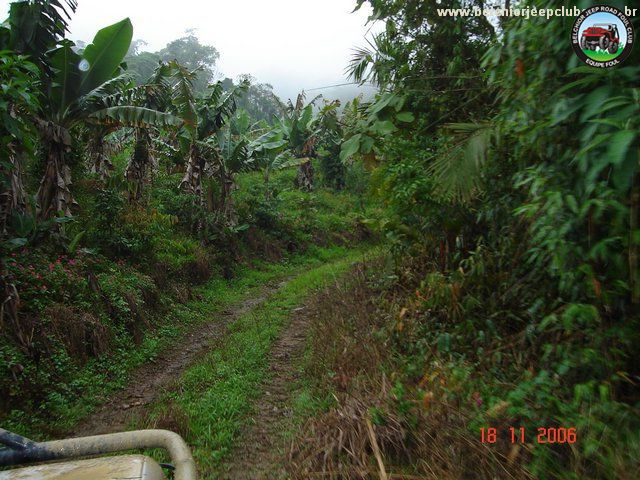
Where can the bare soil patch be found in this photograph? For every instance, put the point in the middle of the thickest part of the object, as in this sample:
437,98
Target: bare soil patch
264,448
151,380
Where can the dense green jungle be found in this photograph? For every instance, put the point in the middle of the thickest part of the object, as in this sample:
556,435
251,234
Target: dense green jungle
438,281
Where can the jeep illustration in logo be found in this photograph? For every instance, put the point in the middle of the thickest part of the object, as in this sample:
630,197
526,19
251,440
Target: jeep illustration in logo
602,36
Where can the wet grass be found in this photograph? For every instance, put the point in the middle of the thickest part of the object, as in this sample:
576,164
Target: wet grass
101,377
215,396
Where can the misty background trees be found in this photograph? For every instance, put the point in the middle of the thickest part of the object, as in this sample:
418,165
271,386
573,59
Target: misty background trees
259,100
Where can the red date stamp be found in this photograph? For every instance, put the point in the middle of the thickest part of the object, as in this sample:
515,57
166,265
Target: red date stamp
543,435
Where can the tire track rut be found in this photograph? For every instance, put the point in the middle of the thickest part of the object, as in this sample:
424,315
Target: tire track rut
152,379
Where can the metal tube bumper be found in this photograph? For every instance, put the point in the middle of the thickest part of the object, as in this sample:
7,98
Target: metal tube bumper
185,467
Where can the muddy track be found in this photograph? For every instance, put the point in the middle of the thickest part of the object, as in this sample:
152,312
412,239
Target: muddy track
151,380
263,448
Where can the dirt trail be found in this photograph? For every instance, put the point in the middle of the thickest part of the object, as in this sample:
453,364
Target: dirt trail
262,452
152,379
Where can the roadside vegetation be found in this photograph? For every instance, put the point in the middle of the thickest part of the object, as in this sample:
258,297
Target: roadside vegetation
135,206
222,387
140,198
512,192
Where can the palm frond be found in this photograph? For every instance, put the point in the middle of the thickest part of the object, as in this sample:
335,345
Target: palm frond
182,95
359,65
133,116
38,25
216,109
165,150
289,161
459,171
108,94
374,64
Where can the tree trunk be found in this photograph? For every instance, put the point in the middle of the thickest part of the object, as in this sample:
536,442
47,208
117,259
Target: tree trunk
99,160
136,171
9,300
192,180
304,179
14,198
226,202
54,195
220,197
267,191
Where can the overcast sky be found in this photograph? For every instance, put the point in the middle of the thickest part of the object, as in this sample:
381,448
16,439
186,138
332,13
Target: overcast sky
292,44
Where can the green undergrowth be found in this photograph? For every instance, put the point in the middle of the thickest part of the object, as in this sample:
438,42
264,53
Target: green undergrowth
214,397
278,214
115,284
99,377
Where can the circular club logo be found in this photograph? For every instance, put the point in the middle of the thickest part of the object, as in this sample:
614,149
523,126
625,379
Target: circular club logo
602,36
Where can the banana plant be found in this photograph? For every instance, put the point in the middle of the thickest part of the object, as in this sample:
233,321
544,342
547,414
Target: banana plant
98,159
75,87
204,118
269,154
231,155
76,79
154,97
298,126
330,143
67,79
143,108
102,123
